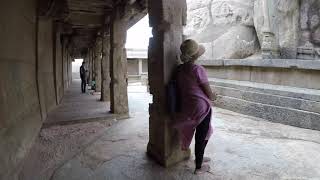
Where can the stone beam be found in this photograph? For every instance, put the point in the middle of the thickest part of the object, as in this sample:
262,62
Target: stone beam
118,64
167,18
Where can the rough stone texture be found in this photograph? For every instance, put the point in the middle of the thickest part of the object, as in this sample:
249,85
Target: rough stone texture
293,106
47,93
58,63
73,125
56,145
105,69
294,64
118,65
166,19
225,28
20,118
97,63
268,75
284,23
310,30
65,55
78,107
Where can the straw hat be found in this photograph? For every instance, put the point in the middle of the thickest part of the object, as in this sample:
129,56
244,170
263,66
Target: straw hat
191,50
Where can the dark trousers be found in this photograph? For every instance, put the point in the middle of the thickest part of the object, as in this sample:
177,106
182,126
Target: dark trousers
201,142
83,85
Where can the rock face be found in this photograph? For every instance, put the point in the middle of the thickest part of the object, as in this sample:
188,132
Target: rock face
310,29
225,28
236,29
283,20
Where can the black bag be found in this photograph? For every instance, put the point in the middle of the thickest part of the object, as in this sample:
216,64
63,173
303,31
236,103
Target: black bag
173,97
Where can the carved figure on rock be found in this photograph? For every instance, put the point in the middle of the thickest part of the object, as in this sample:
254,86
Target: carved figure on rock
224,27
240,28
310,30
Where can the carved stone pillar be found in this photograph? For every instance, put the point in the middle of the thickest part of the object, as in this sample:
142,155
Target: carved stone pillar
118,65
105,70
97,63
167,18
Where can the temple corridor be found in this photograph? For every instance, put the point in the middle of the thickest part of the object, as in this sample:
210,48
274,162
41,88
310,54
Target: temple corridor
261,58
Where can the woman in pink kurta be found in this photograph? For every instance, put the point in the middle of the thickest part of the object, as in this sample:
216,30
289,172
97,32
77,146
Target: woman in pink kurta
196,95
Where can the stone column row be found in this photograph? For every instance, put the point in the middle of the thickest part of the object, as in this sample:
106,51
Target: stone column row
107,65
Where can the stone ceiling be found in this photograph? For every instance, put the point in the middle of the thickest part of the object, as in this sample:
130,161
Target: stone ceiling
83,19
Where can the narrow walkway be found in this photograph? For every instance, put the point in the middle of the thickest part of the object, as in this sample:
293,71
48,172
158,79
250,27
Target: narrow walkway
78,107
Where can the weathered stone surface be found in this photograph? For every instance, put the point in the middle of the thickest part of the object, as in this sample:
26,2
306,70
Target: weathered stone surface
225,28
293,106
97,63
20,118
283,21
242,147
264,63
105,69
58,62
268,75
45,67
310,29
166,19
118,65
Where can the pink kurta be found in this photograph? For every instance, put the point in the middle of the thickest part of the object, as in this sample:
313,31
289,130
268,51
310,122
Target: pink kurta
195,104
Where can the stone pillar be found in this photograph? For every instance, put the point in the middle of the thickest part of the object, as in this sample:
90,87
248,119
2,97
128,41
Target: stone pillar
140,67
167,18
89,56
105,69
97,63
118,65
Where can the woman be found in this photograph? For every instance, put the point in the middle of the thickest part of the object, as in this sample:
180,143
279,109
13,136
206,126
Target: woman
196,96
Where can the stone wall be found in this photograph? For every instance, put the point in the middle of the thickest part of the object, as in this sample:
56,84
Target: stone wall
45,67
133,67
20,118
32,79
279,90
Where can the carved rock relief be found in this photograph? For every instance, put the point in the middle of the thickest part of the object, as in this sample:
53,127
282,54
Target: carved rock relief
310,29
224,27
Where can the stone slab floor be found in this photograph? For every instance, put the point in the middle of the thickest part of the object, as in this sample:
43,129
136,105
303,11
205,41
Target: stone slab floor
76,106
242,147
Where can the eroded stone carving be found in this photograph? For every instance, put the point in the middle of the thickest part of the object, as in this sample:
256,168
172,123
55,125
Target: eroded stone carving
237,28
310,30
224,27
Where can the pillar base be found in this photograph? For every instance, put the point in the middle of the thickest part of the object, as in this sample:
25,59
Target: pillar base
174,158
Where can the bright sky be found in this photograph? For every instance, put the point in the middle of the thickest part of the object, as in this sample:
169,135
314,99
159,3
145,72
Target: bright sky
139,34
76,65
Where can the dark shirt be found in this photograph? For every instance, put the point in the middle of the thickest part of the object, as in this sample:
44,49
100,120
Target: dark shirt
82,72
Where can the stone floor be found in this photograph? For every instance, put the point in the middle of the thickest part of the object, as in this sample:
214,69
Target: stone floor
242,147
76,106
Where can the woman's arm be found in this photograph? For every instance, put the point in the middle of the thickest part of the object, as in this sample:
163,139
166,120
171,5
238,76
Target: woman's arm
207,90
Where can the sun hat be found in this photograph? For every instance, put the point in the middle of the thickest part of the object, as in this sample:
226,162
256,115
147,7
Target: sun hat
191,50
